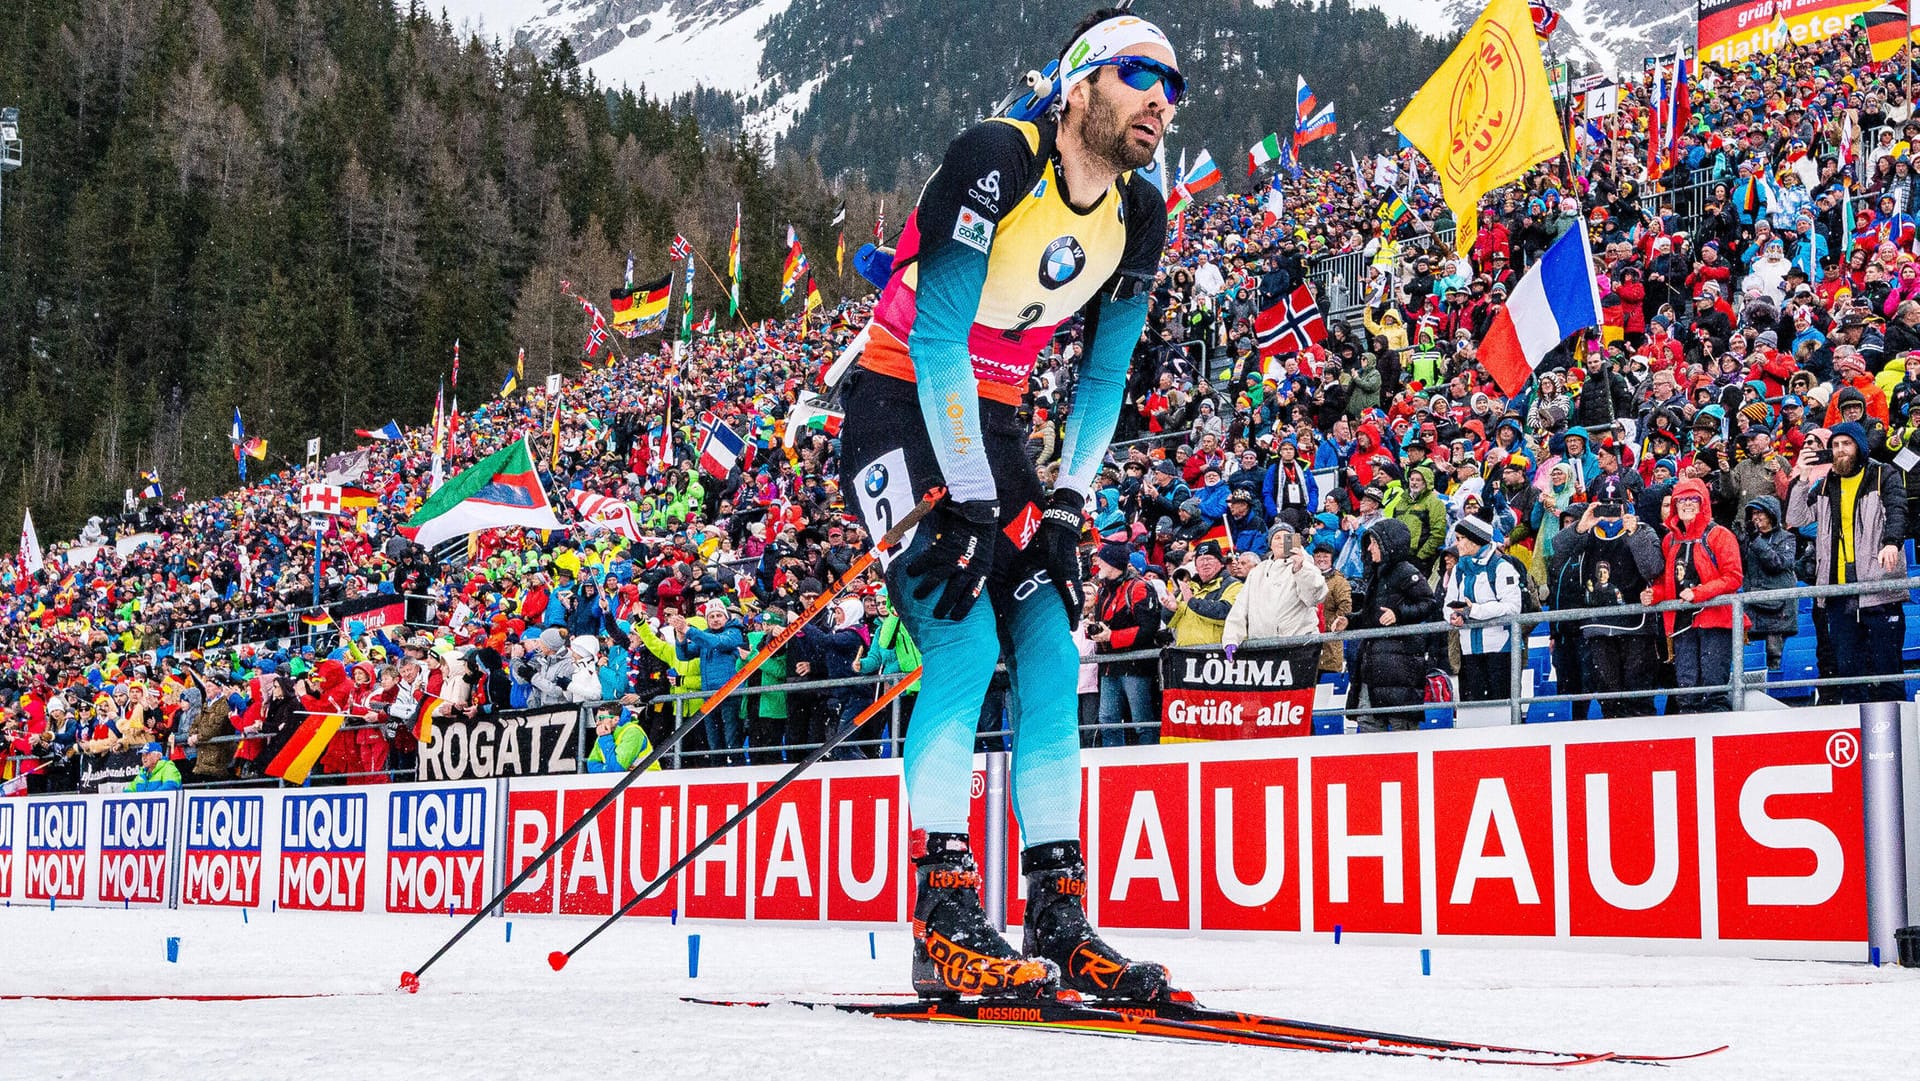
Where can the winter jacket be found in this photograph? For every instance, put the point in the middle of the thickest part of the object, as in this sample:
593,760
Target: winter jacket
1426,522
211,724
1276,602
1201,620
1396,584
163,777
716,650
1768,560
1879,519
618,750
1128,607
1490,587
1338,605
1715,553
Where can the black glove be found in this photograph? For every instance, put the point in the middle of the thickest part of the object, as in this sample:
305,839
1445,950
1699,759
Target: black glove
961,555
1057,543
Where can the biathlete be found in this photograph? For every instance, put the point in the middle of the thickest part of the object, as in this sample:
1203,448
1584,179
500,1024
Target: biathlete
1023,225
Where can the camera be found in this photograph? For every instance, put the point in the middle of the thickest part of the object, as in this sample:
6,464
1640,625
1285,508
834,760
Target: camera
1607,510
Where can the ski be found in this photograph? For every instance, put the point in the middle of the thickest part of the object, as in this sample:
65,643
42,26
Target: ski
1186,1010
1127,1023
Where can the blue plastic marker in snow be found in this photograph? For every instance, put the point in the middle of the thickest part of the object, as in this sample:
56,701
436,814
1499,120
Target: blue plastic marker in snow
173,950
693,957
873,950
509,930
53,904
1426,962
243,916
1873,954
673,915
1336,934
449,909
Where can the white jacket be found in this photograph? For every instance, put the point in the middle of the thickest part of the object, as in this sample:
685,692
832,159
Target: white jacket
1490,588
1276,602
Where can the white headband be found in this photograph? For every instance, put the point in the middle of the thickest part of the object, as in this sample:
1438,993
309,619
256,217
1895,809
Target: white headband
1117,36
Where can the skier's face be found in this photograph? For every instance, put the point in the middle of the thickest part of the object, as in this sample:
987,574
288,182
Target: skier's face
1121,125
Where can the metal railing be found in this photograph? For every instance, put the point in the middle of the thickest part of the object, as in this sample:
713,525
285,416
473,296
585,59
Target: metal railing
1740,682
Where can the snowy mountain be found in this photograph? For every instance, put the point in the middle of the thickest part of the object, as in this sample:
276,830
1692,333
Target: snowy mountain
666,46
1614,34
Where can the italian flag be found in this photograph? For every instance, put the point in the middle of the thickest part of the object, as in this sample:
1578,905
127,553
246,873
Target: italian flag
1261,153
500,490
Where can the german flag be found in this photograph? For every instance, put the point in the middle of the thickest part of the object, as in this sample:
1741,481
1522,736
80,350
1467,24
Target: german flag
1886,28
316,619
1222,534
641,309
423,720
305,747
357,499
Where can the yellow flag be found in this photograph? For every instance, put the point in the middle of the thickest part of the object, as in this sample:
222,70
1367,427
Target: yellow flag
1486,116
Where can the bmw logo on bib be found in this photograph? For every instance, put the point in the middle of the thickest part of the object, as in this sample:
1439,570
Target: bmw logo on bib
1062,262
876,479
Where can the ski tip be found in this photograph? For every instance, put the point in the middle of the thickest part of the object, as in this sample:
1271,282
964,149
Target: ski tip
410,982
557,959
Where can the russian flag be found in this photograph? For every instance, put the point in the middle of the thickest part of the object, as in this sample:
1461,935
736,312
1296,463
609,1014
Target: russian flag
1558,298
1204,174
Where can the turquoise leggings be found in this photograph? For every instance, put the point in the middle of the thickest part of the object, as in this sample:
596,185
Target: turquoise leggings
1029,620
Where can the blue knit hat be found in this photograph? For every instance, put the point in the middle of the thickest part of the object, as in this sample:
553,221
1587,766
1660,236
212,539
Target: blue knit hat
1851,429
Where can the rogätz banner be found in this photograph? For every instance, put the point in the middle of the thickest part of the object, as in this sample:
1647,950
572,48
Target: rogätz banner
536,743
1730,31
1254,694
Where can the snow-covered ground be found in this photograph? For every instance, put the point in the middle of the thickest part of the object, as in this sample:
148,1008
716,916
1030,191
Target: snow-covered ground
495,1009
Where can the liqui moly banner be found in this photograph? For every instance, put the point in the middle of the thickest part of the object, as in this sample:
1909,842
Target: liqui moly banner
1732,31
1243,694
135,832
222,863
830,846
56,862
88,849
388,848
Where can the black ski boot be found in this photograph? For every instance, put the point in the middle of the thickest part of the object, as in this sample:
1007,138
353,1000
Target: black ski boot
1057,929
955,950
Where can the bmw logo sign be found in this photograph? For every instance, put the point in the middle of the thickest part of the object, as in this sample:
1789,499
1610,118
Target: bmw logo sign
1062,262
876,479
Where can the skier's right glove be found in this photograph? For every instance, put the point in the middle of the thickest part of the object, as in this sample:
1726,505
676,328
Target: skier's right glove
1057,543
961,556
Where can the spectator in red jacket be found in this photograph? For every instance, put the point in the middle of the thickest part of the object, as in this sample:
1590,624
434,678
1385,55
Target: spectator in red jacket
1702,560
1126,617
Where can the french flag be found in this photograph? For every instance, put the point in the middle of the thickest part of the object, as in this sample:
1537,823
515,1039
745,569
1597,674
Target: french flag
1558,298
386,433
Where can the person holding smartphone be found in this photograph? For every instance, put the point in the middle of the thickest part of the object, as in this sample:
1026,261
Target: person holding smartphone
1281,595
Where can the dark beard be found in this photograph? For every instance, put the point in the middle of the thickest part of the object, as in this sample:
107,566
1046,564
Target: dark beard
1108,135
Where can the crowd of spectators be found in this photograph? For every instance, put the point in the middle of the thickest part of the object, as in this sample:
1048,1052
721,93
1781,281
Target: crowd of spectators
1740,423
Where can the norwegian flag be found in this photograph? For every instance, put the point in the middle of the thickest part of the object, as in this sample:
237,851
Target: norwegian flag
1545,19
1292,325
720,447
680,248
597,337
604,513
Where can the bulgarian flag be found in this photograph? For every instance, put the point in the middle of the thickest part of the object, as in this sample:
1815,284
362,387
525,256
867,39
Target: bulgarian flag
811,414
307,744
1264,152
500,490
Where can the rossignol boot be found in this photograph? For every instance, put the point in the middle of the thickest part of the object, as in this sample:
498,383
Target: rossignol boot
955,950
1057,930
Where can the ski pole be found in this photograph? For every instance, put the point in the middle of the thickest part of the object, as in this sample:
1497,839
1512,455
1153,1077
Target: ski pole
410,981
558,958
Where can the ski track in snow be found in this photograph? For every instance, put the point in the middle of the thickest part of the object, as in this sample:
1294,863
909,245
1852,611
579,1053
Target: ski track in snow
495,1009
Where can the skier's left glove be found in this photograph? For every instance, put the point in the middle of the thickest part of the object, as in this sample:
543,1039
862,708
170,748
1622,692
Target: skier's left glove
960,558
1057,543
